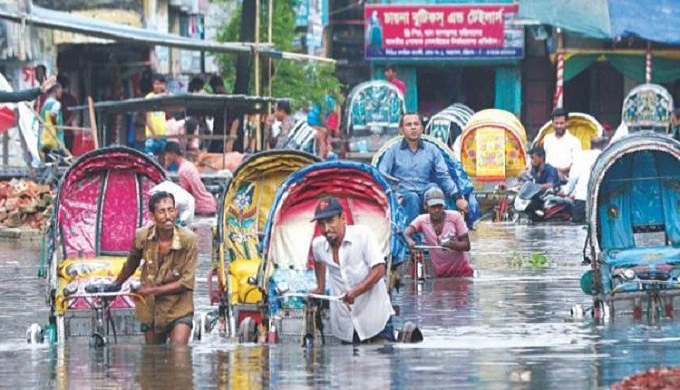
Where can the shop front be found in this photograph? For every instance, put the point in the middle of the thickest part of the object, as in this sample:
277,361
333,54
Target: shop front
445,54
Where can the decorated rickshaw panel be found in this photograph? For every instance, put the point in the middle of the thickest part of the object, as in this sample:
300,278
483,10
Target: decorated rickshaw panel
486,163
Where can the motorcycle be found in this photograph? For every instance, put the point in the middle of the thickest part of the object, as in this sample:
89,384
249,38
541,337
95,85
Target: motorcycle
540,206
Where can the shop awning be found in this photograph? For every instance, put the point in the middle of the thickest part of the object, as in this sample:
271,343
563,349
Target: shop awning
655,21
200,103
64,21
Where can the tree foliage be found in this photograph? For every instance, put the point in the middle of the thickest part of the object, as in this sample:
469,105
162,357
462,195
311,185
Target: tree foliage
304,82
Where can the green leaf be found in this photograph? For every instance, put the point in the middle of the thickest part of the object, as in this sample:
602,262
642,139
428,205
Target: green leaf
538,260
306,82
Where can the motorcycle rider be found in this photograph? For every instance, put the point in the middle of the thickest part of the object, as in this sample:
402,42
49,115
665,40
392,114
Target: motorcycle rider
543,174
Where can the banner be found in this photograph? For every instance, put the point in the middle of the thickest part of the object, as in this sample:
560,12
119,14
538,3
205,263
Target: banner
442,31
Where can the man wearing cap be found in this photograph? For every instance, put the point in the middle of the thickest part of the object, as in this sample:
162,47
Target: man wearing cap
418,165
445,228
356,270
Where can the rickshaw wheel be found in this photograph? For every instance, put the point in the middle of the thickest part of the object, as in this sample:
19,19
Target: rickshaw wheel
577,311
247,330
601,310
308,341
196,331
34,334
97,341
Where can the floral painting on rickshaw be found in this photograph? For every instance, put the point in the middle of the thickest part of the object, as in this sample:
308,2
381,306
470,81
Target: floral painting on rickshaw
240,221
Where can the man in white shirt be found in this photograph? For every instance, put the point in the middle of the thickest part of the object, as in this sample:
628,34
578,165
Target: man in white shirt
356,270
561,147
579,175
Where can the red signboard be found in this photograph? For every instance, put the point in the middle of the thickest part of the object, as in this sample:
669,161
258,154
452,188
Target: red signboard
431,30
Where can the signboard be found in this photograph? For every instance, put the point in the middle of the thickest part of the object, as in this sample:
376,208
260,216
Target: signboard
443,31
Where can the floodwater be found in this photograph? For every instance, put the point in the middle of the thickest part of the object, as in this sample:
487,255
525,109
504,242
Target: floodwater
507,329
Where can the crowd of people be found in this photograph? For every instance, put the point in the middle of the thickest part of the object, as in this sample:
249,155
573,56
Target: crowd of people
347,257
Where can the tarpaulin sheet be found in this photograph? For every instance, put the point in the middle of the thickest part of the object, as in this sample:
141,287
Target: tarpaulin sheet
607,19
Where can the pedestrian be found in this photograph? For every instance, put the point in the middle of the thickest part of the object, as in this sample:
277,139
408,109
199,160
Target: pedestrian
675,124
155,120
217,85
391,76
51,138
190,180
445,228
356,269
277,130
543,174
561,147
418,165
166,254
184,201
68,101
579,174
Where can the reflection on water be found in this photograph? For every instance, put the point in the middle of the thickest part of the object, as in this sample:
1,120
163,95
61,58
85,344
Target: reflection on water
507,329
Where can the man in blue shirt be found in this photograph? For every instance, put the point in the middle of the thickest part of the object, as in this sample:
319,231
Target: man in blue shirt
543,174
418,165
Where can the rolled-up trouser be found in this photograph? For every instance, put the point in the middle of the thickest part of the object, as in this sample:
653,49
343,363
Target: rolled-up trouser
188,320
412,203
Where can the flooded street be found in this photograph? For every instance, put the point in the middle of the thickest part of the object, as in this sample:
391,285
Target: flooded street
507,329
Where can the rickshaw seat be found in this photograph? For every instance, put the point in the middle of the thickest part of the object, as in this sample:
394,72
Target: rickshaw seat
642,256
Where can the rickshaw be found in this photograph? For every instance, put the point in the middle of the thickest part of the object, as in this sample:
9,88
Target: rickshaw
634,228
372,115
242,215
647,107
455,170
275,308
493,152
447,125
580,125
101,200
419,259
302,137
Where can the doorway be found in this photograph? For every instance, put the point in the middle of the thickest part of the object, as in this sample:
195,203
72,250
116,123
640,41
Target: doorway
441,86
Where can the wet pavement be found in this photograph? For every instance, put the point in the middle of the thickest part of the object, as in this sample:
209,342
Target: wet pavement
507,329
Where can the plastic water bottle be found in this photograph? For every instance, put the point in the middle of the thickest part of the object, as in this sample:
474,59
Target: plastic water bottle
419,270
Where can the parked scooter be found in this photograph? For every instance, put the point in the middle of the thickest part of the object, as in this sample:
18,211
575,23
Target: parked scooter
538,206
